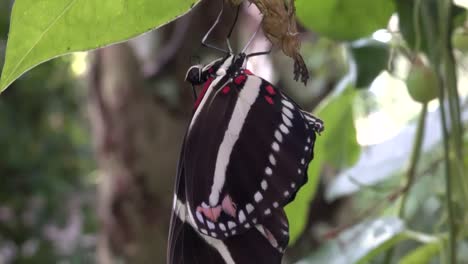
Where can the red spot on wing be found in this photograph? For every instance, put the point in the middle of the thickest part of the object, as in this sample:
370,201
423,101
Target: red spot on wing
202,94
248,72
240,79
226,89
269,99
270,90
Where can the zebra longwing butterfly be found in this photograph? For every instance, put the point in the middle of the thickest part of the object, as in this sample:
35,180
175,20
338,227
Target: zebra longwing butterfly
244,157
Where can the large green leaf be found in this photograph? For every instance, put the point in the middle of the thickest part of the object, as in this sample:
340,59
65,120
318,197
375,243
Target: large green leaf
344,19
423,254
416,34
44,29
337,146
371,57
360,243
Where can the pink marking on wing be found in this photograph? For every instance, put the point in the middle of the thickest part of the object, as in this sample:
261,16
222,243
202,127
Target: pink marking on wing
229,207
216,212
226,89
211,213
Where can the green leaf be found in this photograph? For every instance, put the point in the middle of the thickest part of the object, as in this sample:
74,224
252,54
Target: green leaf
41,30
416,34
344,19
412,28
337,145
371,57
423,254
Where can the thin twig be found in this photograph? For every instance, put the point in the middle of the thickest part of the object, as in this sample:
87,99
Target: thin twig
414,160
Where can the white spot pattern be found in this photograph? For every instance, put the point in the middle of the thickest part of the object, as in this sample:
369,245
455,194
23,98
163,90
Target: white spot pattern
278,136
231,224
199,216
272,159
287,121
275,146
288,112
284,129
288,104
249,208
264,185
210,224
241,216
258,197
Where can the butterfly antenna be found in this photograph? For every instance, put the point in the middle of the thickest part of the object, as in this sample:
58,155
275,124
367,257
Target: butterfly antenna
258,53
203,42
232,28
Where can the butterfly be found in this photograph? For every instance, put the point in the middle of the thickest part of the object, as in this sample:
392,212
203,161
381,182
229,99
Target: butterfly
244,156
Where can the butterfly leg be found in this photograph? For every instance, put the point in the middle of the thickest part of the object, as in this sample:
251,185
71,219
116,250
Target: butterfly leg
204,43
232,28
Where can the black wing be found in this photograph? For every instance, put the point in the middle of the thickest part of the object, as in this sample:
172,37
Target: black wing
247,153
187,245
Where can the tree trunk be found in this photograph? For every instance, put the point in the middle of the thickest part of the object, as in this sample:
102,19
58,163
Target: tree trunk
136,144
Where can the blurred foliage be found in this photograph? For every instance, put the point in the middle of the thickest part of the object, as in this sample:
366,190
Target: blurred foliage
344,19
366,50
333,147
46,153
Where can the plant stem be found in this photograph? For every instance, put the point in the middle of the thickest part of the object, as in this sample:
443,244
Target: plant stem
436,46
448,80
414,159
448,71
411,172
448,183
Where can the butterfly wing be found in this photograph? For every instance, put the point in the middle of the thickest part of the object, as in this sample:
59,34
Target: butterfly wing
188,245
247,151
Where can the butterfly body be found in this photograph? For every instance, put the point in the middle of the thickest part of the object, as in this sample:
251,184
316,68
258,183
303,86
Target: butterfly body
244,157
